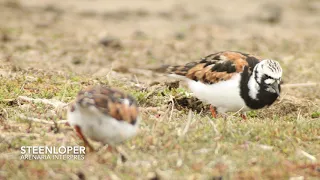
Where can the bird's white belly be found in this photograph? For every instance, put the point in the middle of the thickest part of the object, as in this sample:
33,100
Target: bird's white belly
225,96
100,127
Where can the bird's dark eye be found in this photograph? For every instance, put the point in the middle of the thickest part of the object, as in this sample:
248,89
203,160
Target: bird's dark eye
268,77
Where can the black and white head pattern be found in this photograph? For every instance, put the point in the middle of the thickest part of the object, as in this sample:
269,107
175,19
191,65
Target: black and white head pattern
267,75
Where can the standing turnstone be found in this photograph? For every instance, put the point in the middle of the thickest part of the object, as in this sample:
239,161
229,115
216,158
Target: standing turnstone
105,115
232,81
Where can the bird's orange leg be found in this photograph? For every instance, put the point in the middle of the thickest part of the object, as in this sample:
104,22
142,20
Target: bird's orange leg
86,143
213,111
243,116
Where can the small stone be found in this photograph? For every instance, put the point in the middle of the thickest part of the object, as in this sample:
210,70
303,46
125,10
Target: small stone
76,61
80,175
270,13
5,38
139,35
217,178
111,42
180,36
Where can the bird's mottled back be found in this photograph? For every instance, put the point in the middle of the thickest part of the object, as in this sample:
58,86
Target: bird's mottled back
216,67
110,102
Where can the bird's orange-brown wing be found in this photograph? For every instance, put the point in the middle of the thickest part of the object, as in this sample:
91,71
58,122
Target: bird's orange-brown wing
216,67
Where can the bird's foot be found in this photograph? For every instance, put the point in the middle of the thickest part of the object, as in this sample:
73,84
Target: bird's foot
243,116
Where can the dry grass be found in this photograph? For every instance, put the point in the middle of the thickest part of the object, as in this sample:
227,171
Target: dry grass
51,50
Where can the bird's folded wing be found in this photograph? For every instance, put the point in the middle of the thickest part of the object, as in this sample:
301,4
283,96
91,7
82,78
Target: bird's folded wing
216,67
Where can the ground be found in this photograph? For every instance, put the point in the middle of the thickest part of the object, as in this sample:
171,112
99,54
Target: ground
51,49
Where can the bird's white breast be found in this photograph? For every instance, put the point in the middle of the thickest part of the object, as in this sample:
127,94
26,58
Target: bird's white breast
225,95
100,127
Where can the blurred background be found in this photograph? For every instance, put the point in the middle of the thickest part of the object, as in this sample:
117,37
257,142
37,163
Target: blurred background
50,49
94,36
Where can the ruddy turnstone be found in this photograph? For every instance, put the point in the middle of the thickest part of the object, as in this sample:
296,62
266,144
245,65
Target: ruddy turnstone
105,115
232,81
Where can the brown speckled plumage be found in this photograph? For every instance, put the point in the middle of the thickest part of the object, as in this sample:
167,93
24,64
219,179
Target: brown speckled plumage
216,67
110,102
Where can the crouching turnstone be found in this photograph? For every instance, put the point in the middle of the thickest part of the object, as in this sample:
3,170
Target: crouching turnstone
105,115
232,81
